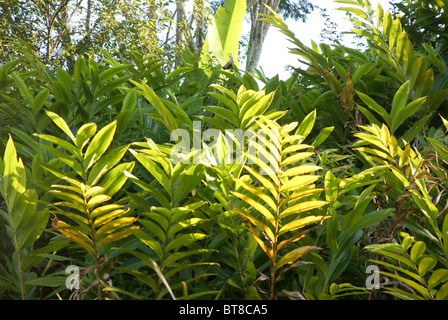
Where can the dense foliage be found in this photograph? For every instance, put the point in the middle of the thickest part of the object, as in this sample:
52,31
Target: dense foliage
344,198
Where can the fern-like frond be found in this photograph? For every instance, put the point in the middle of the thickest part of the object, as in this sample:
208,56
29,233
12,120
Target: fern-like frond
281,195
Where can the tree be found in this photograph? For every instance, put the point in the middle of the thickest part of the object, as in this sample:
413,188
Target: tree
58,30
425,21
295,9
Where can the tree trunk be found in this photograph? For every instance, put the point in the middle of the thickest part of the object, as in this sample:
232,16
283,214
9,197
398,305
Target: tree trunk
258,32
199,16
151,42
181,29
67,45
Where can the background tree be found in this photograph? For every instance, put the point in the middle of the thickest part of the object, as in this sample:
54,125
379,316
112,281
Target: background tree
425,21
58,30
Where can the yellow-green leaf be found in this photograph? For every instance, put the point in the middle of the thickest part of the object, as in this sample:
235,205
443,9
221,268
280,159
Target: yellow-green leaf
437,277
113,237
60,122
97,200
115,225
264,181
298,182
260,242
294,255
104,209
99,144
306,168
300,223
302,207
266,230
257,206
404,157
295,158
259,193
92,191
75,236
108,217
297,195
426,264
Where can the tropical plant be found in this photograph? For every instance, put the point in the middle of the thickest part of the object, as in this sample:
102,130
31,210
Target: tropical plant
223,34
418,265
344,228
23,222
281,203
85,189
415,267
171,226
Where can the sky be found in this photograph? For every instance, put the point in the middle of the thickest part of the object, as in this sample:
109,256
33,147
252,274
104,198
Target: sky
275,55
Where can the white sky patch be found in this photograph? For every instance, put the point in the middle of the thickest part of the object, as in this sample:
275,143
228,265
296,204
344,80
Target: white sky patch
275,55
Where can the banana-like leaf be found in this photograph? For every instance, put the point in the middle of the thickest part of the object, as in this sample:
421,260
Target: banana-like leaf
223,34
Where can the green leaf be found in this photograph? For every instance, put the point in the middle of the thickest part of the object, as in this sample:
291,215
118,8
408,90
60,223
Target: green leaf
395,32
437,277
84,134
167,117
40,100
416,128
418,68
257,206
355,11
189,181
307,124
109,73
105,164
422,290
442,293
115,179
154,170
157,225
224,114
177,72
387,23
417,250
406,113
184,240
374,106
48,281
294,255
300,223
61,124
424,83
173,257
62,143
224,30
149,241
99,145
129,101
23,89
399,293
33,229
322,136
426,264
